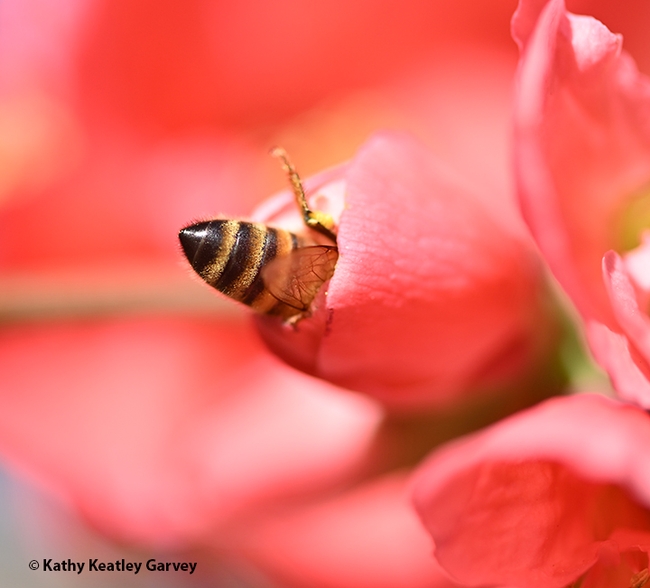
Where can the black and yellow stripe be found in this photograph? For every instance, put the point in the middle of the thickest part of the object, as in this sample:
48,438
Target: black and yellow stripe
230,256
271,270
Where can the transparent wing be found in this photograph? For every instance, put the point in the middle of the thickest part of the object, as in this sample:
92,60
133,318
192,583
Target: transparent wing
295,279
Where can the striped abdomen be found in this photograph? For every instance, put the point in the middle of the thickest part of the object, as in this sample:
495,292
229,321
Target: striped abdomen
262,267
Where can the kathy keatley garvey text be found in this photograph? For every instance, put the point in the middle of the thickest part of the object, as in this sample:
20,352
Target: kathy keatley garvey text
120,565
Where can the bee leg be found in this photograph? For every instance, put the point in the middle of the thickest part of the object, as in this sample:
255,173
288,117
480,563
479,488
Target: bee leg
316,220
292,323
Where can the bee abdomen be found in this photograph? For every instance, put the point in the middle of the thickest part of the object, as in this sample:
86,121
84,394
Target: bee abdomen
229,255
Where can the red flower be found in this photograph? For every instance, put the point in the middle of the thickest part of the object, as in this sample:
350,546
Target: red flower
580,150
433,296
552,495
582,153
151,410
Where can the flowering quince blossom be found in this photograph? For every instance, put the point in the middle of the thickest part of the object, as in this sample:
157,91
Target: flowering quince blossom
121,121
550,496
582,154
431,298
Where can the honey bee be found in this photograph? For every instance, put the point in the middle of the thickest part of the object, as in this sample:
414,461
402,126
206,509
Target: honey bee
272,270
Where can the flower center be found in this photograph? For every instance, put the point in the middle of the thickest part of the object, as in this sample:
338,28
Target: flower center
634,220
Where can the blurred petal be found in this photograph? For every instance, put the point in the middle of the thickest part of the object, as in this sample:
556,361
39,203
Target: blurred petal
625,350
622,294
158,430
165,68
629,372
557,489
524,20
366,537
628,18
126,202
582,148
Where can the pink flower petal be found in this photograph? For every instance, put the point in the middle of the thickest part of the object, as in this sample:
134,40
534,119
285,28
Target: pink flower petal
582,146
628,18
634,323
624,351
367,537
538,499
431,295
629,372
158,430
524,20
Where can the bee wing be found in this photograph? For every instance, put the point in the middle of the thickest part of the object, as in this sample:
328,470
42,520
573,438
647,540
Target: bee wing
294,279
